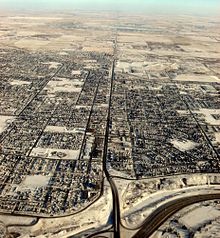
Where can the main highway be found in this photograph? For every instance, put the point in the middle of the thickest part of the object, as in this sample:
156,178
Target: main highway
116,208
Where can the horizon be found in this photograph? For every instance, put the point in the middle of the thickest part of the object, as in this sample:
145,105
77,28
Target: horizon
194,7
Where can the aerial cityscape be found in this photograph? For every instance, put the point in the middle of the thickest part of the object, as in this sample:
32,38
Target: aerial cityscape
109,123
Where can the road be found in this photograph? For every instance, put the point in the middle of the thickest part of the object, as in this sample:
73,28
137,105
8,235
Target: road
115,197
158,217
116,208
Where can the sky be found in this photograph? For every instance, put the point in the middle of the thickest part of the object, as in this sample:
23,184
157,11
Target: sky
199,7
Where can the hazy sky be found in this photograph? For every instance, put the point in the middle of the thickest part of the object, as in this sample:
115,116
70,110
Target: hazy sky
199,7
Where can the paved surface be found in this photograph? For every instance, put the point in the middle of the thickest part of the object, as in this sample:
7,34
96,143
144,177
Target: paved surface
157,218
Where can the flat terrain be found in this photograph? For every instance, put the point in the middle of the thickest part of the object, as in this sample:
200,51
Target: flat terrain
97,102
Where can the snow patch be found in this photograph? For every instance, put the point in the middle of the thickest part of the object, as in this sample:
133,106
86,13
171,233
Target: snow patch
183,145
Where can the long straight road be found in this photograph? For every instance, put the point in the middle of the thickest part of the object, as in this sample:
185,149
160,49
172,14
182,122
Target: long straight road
116,207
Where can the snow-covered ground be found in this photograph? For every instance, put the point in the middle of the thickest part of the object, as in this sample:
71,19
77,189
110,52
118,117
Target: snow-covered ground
76,72
64,85
197,78
139,198
19,82
217,137
198,216
116,173
54,153
200,220
52,65
207,114
4,121
183,145
16,220
33,181
96,216
210,230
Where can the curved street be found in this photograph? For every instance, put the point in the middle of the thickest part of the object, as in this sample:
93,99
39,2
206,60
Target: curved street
158,217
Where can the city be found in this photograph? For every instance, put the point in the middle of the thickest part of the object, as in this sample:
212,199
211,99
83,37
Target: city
106,122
